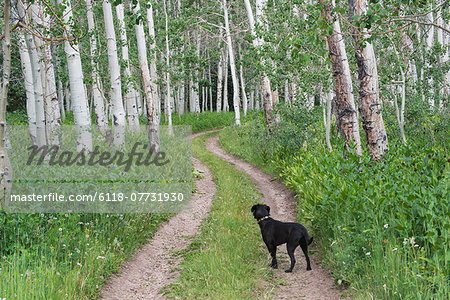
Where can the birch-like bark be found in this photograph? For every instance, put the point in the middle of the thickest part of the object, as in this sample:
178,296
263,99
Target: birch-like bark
225,83
5,165
41,136
429,41
219,83
148,85
442,58
329,99
251,104
237,113
168,91
400,113
191,93
99,104
196,74
52,112
368,92
117,110
130,96
29,88
346,117
79,101
210,93
153,72
60,87
241,74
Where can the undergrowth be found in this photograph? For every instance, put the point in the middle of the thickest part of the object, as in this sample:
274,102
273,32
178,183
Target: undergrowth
384,227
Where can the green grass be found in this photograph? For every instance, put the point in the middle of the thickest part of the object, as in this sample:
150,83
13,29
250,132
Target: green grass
226,260
203,121
57,256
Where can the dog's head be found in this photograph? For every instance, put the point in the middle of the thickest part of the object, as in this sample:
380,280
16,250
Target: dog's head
260,211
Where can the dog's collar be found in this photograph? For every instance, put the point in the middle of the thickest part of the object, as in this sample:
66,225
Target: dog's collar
263,218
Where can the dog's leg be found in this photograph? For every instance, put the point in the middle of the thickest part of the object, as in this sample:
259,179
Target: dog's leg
304,247
291,250
273,253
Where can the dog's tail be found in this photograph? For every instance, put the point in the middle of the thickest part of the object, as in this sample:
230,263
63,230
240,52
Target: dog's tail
310,241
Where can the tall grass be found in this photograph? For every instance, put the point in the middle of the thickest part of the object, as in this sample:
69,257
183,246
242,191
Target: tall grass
66,256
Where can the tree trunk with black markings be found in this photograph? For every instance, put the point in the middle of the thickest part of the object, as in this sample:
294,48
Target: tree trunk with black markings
368,94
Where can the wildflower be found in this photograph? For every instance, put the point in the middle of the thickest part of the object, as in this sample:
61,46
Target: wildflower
100,257
368,253
334,242
405,241
412,241
87,236
384,286
386,225
79,264
395,249
60,229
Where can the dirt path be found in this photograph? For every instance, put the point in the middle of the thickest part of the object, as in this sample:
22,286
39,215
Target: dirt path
153,266
300,284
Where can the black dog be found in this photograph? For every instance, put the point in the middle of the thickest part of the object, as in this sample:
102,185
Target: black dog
275,233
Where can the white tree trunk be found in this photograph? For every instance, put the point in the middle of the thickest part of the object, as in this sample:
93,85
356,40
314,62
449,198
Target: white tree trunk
197,83
241,74
41,136
130,97
153,71
232,66
328,125
346,115
225,83
52,113
79,101
150,88
29,88
443,58
429,40
118,112
5,165
169,91
219,83
181,100
369,100
99,103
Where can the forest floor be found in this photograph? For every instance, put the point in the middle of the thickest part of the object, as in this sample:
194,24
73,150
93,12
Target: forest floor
155,266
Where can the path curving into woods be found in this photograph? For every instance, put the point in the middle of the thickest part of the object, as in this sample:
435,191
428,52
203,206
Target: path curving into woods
154,266
300,284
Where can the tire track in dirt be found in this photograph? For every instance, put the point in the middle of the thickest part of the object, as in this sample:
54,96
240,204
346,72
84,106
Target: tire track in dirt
300,284
154,266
